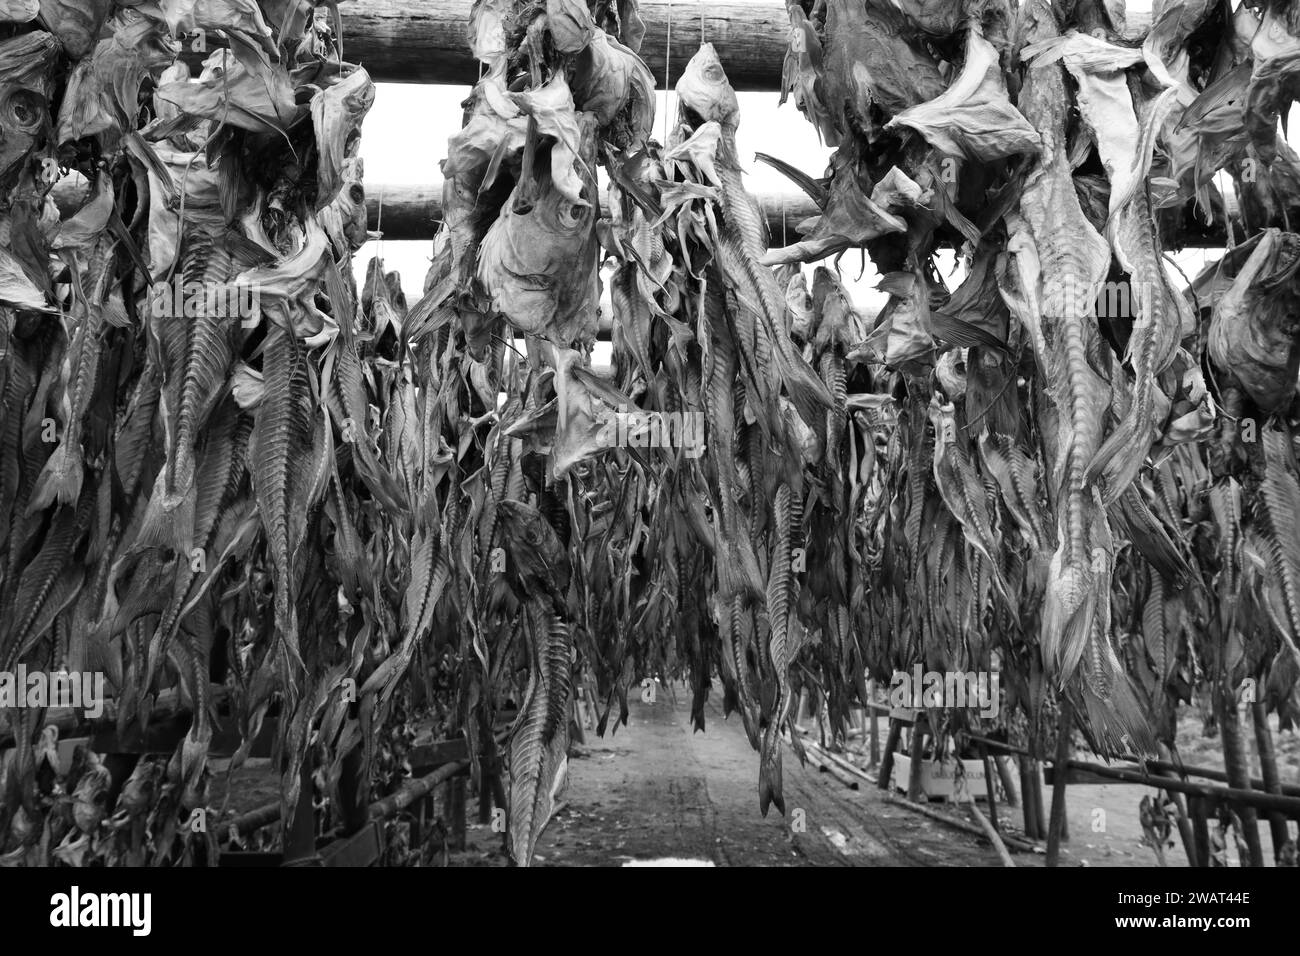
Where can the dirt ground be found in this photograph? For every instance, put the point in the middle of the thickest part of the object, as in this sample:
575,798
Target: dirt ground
655,791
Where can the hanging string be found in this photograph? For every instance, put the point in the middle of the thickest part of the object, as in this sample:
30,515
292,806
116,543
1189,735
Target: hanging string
668,56
379,226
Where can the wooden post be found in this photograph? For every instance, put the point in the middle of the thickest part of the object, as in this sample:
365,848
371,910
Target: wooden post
300,841
484,796
1003,764
914,770
990,784
1277,824
875,736
1056,830
1237,768
1185,830
887,758
1197,809
1033,830
456,808
1040,815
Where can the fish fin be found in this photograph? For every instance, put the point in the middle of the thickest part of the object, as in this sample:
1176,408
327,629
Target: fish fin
811,187
769,772
60,480
1117,462
169,517
1117,723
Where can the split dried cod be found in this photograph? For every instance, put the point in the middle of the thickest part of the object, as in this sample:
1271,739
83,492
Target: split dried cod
1061,280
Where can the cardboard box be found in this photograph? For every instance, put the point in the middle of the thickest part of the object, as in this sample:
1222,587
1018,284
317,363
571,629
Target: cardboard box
939,778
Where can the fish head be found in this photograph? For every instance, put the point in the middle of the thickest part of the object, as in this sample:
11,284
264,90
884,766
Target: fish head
538,261
344,219
76,23
704,93
25,87
536,555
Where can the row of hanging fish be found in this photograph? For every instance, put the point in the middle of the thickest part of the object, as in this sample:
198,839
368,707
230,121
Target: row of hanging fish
214,472
1062,156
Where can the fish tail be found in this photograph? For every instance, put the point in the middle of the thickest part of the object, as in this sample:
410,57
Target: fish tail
169,518
1068,611
1117,462
60,479
1115,716
769,772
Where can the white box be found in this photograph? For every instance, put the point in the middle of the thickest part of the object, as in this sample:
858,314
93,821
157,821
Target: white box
938,778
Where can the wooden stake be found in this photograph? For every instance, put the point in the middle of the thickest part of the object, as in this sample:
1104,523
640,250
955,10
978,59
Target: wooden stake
1237,768
1198,810
887,759
875,736
1185,830
1030,812
991,831
1056,828
1277,824
990,784
456,809
1008,779
914,770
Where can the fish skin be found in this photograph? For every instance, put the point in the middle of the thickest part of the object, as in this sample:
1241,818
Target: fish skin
963,493
538,561
40,578
736,564
869,62
61,478
207,344
277,435
1073,260
1014,473
1162,315
786,516
539,741
703,90
221,472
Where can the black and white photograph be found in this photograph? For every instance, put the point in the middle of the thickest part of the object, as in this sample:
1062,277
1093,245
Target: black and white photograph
650,434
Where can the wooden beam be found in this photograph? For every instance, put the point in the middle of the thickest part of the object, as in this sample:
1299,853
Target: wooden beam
424,41
412,212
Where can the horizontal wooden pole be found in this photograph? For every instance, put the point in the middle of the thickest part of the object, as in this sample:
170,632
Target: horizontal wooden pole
415,789
413,212
423,41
